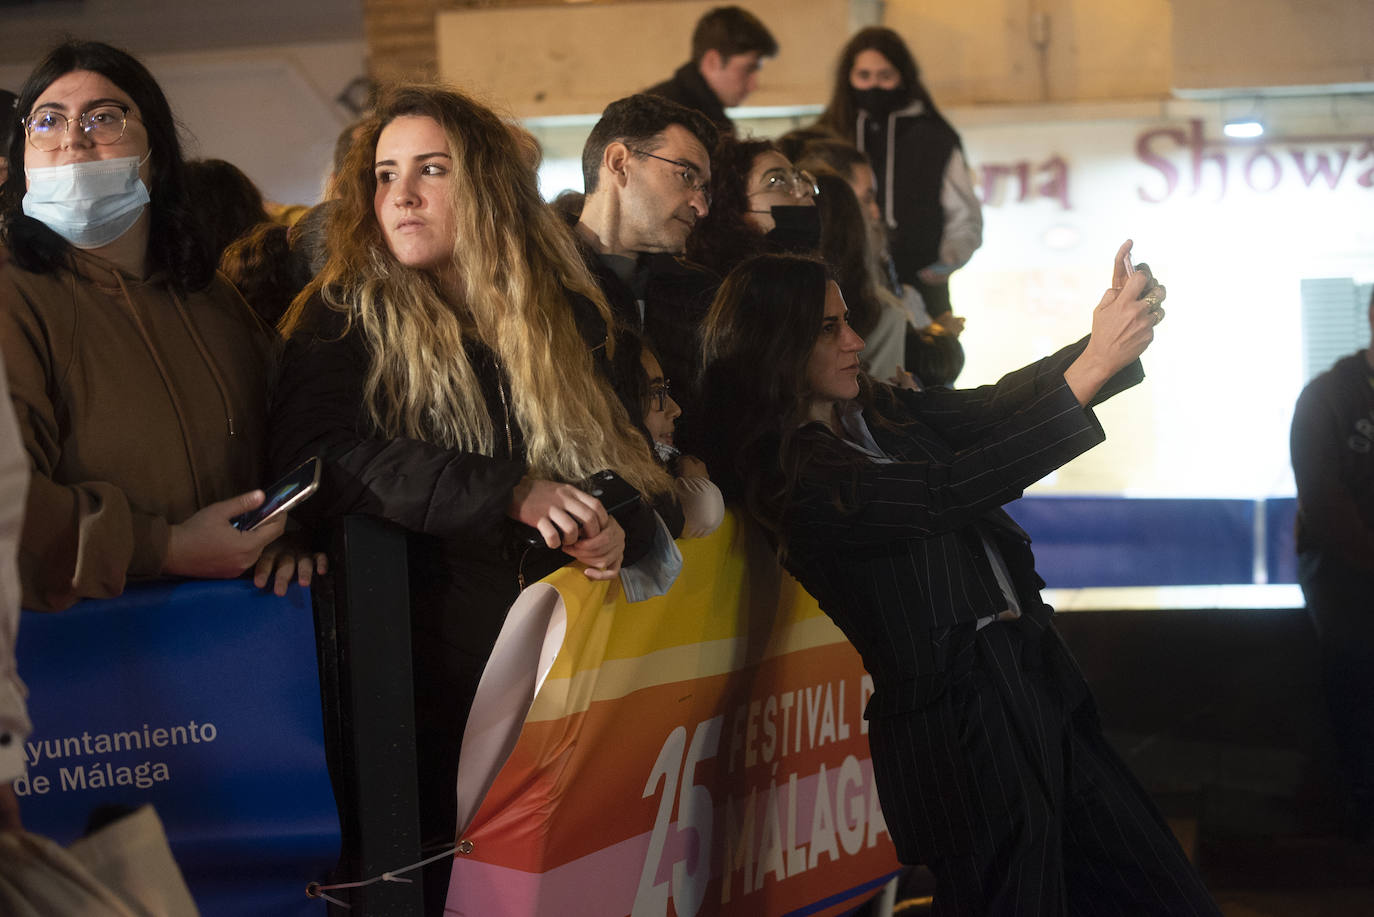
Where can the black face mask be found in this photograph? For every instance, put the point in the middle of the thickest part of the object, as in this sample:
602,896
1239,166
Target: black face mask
879,103
796,228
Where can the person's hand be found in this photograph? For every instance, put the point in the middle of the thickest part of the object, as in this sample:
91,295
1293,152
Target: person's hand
933,275
9,810
600,553
1123,327
562,513
689,466
903,378
207,546
287,558
948,323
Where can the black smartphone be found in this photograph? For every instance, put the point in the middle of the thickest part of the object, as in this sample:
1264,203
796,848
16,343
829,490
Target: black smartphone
292,489
614,492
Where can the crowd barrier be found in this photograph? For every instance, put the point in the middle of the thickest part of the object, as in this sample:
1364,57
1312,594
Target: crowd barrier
202,698
1083,542
703,751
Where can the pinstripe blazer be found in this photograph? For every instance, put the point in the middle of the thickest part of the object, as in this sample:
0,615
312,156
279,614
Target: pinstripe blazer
897,560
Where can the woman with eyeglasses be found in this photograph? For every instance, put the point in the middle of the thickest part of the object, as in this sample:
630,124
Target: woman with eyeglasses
647,396
925,189
760,203
138,375
450,366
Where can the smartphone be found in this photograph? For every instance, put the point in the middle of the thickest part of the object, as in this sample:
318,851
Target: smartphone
1133,269
291,490
614,492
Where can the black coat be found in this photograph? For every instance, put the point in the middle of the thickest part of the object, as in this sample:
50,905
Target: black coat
688,87
677,296
898,563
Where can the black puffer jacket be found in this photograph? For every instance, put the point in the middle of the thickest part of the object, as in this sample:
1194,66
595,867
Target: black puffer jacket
467,559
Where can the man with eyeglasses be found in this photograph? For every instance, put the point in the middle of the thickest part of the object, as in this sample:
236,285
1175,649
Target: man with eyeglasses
646,168
729,45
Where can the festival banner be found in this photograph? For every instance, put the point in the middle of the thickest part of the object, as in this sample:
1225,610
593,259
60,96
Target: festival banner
703,752
203,699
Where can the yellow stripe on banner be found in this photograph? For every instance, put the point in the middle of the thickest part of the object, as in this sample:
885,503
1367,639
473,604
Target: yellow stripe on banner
616,678
618,648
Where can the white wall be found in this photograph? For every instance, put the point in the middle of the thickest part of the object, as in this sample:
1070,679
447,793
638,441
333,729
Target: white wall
1212,417
268,109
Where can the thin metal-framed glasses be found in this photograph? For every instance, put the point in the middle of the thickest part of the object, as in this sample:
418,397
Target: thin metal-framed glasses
659,393
103,124
798,183
691,177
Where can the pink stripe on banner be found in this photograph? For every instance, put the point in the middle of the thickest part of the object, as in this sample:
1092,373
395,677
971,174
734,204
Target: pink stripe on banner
604,883
601,884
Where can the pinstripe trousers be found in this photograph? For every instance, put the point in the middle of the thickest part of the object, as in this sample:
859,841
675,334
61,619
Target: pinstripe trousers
1060,825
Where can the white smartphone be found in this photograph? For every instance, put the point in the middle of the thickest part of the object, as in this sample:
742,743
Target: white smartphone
291,490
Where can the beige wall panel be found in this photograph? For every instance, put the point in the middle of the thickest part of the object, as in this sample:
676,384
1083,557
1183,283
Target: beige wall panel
1222,43
574,59
986,51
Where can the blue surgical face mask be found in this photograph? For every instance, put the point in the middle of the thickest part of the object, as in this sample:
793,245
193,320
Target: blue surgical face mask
90,204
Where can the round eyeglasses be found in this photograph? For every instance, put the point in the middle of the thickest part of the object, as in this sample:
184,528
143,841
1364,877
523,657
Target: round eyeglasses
103,124
795,182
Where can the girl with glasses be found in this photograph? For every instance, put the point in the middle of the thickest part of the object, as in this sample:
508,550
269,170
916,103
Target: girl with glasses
697,508
760,202
138,375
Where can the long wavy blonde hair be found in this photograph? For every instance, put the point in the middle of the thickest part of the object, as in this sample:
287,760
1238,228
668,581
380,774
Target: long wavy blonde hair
515,265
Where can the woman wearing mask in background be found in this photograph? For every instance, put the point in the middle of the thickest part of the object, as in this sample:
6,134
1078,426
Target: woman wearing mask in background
924,189
760,203
449,365
137,375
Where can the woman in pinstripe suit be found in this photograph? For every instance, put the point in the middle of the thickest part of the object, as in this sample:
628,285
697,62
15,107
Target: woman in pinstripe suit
887,506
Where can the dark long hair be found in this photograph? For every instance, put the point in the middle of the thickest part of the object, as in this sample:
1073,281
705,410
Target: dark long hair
724,238
757,340
175,242
844,246
227,202
840,115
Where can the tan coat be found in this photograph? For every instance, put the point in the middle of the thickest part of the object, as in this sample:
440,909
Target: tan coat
137,407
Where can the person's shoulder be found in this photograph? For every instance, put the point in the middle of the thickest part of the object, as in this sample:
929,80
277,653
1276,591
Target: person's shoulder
676,272
676,88
322,321
25,290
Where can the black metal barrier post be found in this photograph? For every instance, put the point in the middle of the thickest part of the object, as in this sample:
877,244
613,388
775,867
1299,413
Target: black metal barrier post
362,626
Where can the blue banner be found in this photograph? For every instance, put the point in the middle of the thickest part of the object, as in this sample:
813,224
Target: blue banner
203,699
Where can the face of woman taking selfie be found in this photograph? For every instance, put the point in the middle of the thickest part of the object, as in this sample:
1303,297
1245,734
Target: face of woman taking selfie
832,372
413,171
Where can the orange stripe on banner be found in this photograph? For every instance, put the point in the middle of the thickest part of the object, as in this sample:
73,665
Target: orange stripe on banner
786,715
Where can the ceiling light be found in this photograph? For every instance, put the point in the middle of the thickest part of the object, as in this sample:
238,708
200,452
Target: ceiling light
1243,129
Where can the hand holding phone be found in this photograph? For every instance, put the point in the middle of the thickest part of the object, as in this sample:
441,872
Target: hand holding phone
293,488
613,493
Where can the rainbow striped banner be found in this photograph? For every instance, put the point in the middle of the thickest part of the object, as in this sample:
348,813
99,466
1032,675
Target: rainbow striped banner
703,752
